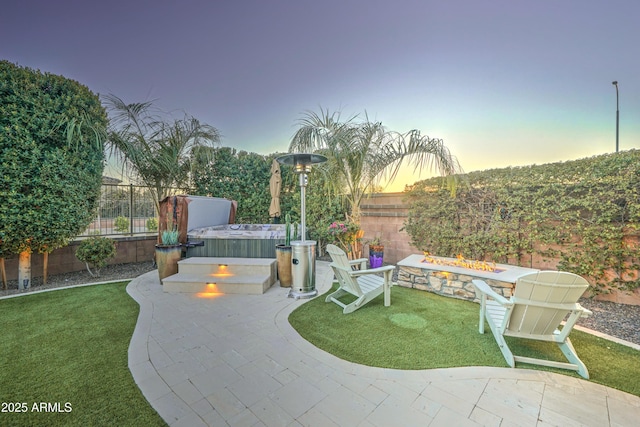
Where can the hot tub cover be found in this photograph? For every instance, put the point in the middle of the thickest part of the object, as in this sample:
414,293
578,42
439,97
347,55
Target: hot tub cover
239,231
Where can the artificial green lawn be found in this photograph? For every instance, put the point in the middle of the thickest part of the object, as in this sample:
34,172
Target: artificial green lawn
71,346
422,330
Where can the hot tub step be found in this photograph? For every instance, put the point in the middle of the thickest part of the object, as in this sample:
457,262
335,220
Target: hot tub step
227,284
234,266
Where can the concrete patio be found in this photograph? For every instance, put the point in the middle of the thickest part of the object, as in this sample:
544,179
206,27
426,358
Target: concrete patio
235,360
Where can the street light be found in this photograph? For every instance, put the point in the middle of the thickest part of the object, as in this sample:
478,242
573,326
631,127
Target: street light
615,83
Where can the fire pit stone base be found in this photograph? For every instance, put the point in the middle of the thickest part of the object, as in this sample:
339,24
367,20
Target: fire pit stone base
453,281
447,284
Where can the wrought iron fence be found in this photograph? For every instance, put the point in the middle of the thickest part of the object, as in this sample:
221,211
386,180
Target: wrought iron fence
124,209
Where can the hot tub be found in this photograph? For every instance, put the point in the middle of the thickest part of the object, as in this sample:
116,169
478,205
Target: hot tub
237,240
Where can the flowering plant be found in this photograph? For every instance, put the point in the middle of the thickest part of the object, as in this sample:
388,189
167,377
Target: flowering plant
347,235
337,229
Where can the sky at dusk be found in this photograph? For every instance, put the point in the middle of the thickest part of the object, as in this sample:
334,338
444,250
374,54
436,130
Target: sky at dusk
502,82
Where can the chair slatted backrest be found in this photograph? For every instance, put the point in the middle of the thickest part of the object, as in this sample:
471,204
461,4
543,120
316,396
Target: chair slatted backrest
341,268
543,300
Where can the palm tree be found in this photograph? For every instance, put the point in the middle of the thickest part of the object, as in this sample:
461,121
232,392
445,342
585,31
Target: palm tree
159,153
360,154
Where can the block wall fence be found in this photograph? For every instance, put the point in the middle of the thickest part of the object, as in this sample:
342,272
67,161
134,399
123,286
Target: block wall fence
384,214
63,260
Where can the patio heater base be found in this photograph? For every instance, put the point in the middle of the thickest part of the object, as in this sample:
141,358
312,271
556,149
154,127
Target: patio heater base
298,295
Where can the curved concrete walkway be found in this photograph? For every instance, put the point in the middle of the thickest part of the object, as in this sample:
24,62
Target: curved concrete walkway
235,360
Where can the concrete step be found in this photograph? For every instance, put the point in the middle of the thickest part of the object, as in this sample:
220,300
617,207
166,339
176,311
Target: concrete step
233,266
218,283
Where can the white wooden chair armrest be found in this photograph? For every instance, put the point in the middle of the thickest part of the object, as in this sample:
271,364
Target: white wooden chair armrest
485,289
585,312
372,270
361,261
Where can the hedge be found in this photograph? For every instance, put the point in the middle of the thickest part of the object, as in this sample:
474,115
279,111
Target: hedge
52,132
582,215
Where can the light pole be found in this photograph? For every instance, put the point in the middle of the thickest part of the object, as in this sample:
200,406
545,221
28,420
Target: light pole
615,83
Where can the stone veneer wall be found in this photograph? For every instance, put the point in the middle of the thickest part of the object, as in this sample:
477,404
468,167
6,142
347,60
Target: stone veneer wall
447,284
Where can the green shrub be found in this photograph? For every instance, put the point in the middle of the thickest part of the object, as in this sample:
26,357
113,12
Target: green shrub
244,177
583,215
94,252
152,224
121,224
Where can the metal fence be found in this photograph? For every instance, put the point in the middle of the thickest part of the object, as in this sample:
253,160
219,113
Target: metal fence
124,210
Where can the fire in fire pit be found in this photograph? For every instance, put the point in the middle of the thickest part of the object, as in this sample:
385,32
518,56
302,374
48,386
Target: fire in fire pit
461,262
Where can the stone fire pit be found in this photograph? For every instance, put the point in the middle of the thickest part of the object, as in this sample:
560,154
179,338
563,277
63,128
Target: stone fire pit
455,281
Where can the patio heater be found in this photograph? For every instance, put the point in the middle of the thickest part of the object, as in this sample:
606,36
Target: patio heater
303,252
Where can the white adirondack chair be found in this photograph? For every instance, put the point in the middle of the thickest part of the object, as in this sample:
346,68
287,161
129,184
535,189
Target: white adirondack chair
541,301
363,284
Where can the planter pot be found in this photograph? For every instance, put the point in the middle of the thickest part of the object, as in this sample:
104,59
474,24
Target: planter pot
167,258
376,255
283,256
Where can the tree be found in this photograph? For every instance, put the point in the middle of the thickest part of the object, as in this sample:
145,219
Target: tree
322,209
360,154
158,151
51,162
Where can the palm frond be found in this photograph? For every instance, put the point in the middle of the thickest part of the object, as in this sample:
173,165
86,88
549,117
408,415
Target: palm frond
362,153
157,150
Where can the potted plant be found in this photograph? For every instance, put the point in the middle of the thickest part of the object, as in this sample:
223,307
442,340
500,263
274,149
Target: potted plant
283,255
169,251
376,252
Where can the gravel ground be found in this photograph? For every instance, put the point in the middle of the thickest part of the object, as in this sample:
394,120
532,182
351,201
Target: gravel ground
110,272
618,320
